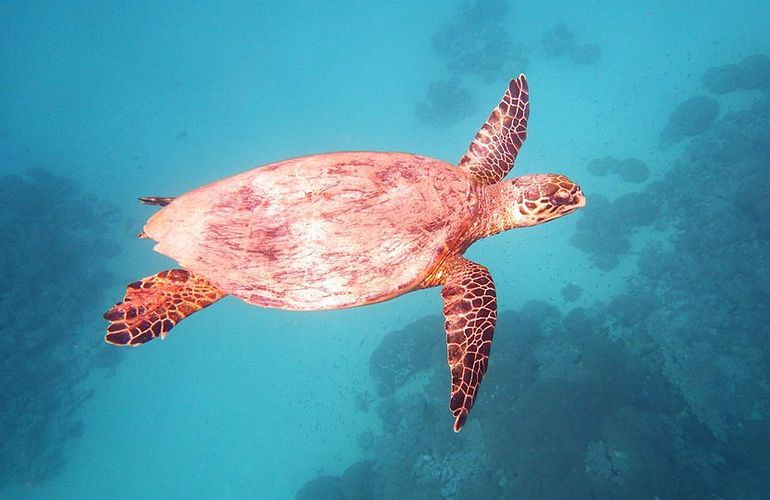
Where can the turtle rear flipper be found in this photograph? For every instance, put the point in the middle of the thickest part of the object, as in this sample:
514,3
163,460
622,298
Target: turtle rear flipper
153,305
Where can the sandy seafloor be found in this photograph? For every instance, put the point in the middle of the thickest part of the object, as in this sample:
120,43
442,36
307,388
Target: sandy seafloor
131,99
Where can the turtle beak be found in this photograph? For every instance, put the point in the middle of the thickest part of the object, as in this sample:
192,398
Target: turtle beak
580,199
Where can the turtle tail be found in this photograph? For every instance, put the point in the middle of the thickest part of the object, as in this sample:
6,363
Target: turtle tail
153,305
156,200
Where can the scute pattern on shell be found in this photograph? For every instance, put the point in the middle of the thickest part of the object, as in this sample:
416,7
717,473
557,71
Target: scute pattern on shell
323,231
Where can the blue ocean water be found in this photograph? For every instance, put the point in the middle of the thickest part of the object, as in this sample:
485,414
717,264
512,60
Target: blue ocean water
631,356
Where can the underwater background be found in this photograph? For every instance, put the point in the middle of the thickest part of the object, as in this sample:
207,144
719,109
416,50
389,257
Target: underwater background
631,357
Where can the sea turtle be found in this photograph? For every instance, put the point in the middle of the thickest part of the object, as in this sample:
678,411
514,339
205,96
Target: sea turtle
345,229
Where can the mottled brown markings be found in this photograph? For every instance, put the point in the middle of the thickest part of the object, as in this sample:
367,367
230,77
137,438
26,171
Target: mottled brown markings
470,311
268,254
432,226
357,163
493,150
561,197
152,308
549,189
390,229
532,193
273,232
243,196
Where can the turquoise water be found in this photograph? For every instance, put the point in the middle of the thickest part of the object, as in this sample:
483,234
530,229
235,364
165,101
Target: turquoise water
631,354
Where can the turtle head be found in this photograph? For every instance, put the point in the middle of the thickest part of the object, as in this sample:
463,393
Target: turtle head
532,199
544,197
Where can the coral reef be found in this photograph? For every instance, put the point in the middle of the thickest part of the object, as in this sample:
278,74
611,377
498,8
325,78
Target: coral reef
59,237
476,41
558,386
402,354
639,461
362,400
752,73
605,228
321,488
631,170
603,166
446,102
690,118
449,472
559,41
571,292
711,269
354,484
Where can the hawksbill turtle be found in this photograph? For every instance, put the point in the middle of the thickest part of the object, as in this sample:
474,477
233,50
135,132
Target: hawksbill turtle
346,229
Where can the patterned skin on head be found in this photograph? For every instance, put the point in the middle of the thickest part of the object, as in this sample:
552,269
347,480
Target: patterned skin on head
526,201
544,197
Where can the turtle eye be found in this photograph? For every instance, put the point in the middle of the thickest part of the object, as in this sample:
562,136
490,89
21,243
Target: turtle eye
560,197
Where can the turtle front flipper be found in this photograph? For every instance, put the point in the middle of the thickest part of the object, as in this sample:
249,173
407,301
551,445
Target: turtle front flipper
493,150
153,305
470,310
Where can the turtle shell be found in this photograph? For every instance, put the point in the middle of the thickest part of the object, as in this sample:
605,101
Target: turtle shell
323,231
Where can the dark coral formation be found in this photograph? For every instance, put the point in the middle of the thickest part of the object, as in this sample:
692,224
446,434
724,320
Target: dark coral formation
402,354
752,73
551,413
633,170
691,117
321,488
603,166
447,101
605,228
559,41
660,390
571,292
56,236
630,170
476,42
356,483
714,269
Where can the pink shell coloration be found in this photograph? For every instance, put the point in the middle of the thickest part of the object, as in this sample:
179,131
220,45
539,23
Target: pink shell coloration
323,231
